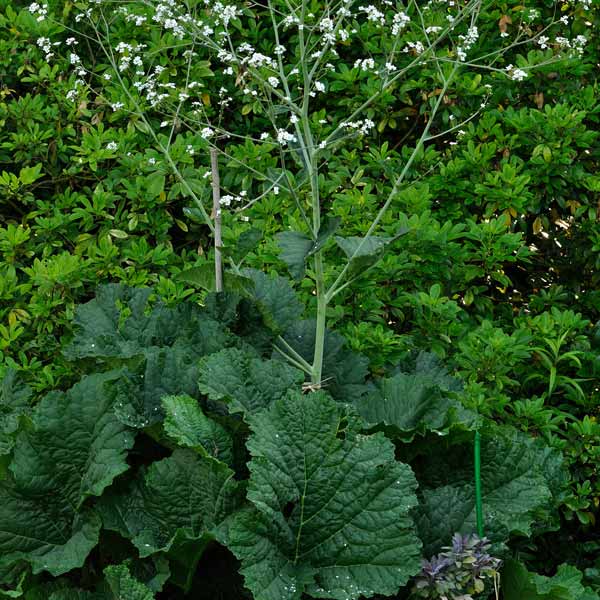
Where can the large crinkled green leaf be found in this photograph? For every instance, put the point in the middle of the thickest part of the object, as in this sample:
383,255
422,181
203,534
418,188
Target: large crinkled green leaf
331,506
185,494
519,584
120,323
123,586
14,403
187,425
431,369
162,372
246,382
75,448
414,403
406,404
275,298
119,584
113,324
344,372
516,474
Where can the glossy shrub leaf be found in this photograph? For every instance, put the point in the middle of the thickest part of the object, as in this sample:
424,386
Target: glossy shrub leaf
74,449
331,506
246,382
190,427
184,496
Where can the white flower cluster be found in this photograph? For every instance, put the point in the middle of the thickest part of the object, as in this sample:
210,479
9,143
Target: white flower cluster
466,43
225,13
128,56
414,46
228,199
362,126
284,137
165,13
542,41
155,91
373,14
39,11
576,44
515,74
399,22
365,64
46,45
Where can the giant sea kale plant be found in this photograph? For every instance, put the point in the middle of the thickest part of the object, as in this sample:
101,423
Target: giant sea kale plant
190,448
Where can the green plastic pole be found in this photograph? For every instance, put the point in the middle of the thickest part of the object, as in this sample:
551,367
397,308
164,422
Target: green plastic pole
478,499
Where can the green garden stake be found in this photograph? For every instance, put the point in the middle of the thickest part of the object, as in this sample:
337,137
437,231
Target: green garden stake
478,500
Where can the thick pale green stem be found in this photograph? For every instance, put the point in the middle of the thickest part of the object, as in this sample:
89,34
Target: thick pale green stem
317,366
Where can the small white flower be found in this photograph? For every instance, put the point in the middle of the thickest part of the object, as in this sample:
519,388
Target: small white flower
319,86
542,41
112,146
283,137
207,132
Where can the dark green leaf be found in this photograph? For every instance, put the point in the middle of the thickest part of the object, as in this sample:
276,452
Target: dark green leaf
124,586
520,584
516,473
247,383
297,247
190,427
294,247
414,403
14,403
331,506
186,495
74,450
275,298
120,323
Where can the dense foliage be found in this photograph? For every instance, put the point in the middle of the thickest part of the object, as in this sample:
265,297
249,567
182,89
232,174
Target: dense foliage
169,464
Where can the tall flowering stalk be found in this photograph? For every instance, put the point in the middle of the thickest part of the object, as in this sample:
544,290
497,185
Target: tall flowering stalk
285,76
